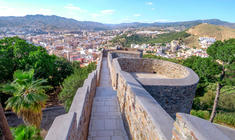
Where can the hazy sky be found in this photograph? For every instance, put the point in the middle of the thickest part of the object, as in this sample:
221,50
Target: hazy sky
117,11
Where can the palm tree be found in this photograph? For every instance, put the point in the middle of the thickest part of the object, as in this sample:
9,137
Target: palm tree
28,97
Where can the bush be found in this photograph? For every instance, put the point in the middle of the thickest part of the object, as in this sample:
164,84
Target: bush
205,102
73,82
26,133
227,99
163,58
220,118
225,118
201,114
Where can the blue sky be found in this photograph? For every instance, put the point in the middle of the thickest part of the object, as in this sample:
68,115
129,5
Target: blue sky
119,11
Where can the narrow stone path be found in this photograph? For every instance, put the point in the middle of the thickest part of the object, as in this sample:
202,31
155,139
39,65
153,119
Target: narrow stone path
106,122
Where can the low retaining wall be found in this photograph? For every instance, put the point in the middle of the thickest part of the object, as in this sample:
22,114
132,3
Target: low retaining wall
75,124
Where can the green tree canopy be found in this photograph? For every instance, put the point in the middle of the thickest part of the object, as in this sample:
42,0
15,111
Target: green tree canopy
223,51
206,68
17,54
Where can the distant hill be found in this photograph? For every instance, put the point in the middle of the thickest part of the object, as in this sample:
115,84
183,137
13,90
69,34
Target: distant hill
185,24
53,22
50,23
208,30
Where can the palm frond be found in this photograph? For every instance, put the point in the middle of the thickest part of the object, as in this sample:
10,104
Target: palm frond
28,96
8,89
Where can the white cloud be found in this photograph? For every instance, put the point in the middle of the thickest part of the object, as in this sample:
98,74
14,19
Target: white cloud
72,7
95,15
153,8
108,12
149,3
5,11
137,15
103,14
10,11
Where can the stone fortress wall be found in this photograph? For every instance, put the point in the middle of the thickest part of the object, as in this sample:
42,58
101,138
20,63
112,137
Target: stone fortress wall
75,124
145,117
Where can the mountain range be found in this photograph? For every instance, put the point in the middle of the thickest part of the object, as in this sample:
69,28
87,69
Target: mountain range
53,22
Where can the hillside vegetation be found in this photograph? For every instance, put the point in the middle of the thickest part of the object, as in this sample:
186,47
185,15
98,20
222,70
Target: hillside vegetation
189,37
208,30
126,41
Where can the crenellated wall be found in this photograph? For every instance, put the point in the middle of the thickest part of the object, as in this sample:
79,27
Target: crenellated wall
75,124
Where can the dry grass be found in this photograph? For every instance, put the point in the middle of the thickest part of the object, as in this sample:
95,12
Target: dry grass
208,30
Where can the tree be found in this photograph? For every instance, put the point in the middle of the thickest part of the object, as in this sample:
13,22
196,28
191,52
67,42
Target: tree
28,97
224,53
4,125
207,69
73,82
18,54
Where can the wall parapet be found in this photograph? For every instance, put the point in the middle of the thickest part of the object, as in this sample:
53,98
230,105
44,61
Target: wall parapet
188,127
75,124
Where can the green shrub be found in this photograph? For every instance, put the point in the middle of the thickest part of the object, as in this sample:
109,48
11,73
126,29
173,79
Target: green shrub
201,114
163,58
220,118
225,118
227,99
73,82
205,102
26,133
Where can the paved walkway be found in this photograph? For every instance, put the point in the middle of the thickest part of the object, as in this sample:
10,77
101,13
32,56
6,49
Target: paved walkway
106,121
